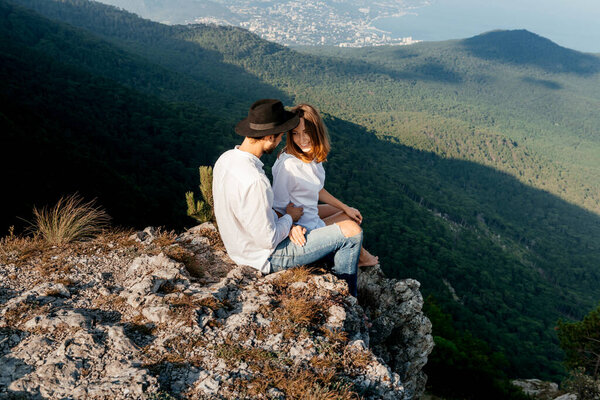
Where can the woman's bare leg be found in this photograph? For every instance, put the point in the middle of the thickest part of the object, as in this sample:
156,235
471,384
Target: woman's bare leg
326,211
331,215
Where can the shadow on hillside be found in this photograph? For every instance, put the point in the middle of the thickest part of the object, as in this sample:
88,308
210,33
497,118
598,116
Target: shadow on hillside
494,191
520,47
430,70
560,238
85,159
316,62
543,83
435,71
518,257
161,44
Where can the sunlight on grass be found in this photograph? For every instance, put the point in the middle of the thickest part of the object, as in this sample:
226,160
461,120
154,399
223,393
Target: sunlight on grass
69,220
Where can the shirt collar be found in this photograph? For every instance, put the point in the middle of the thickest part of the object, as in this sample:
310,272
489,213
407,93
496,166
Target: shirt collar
250,156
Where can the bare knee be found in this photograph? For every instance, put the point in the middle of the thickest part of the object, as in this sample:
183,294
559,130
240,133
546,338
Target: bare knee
349,228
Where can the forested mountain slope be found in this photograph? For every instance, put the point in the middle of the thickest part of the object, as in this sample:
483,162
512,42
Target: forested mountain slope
126,109
490,94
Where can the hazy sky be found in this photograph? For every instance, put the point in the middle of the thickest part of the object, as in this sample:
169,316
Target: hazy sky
573,23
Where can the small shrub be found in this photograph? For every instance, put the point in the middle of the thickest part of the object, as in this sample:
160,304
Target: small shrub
202,211
583,385
69,220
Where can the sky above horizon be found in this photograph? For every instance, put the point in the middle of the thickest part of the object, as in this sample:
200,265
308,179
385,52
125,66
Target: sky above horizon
573,24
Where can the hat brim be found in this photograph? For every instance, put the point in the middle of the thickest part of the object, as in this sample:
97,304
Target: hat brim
243,127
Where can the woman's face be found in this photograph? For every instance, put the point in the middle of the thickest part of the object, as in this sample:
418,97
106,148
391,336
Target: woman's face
301,137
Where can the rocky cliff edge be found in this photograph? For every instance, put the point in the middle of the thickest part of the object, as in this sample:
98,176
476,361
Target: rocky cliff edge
158,315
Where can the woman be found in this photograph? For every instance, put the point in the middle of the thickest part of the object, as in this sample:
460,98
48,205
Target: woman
298,177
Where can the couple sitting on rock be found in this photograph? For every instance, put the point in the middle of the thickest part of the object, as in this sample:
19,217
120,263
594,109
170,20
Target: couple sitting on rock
280,227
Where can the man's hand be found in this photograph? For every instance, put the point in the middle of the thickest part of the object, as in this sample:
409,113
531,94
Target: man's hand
297,235
294,212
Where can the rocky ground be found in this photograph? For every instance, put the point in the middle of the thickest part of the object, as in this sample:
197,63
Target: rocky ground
155,315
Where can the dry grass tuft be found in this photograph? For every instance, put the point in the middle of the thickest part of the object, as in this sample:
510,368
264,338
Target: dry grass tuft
69,220
326,361
292,275
19,250
273,370
118,237
214,238
358,359
233,354
300,311
301,383
335,335
164,238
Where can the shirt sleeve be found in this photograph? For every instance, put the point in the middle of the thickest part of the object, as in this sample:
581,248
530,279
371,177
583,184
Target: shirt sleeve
282,181
321,175
257,214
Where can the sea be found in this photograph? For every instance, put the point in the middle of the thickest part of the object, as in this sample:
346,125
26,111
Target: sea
574,24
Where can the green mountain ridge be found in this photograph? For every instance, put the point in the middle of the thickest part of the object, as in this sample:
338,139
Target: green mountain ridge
521,47
447,186
503,96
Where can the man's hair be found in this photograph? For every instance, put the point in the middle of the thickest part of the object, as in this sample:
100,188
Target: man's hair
258,139
316,130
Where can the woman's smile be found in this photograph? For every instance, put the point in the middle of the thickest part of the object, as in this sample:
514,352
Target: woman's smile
301,138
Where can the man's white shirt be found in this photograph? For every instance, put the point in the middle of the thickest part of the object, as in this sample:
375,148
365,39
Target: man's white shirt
243,201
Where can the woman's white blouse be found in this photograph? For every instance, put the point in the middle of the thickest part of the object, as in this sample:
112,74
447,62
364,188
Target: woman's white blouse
300,183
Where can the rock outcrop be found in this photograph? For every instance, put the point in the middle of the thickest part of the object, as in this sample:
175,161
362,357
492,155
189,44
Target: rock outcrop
123,318
542,390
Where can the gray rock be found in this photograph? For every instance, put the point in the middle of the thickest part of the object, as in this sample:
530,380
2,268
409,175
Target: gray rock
209,385
400,332
567,396
537,388
129,327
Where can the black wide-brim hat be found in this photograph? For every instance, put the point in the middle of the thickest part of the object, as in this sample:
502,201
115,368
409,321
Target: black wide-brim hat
267,117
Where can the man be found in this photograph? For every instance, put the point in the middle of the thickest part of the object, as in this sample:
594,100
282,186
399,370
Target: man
252,232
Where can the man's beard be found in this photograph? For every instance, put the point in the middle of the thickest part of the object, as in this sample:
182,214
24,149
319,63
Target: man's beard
270,150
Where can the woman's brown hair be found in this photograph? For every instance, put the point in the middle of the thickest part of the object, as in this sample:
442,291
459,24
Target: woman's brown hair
316,130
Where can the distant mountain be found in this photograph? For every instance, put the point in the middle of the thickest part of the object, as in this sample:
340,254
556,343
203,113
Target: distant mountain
475,176
521,47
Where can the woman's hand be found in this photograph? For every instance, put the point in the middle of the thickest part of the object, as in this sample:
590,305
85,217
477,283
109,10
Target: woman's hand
354,214
297,235
294,212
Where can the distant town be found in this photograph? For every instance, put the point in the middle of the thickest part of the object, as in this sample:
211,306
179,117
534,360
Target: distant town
314,23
